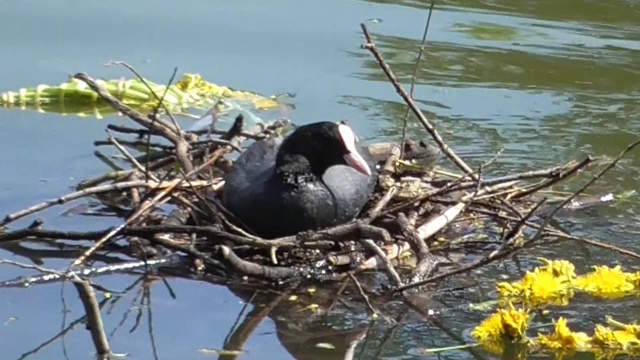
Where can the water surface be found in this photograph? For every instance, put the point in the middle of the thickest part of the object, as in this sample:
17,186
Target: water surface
544,82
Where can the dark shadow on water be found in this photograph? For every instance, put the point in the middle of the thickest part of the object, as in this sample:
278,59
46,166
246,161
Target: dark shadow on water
325,321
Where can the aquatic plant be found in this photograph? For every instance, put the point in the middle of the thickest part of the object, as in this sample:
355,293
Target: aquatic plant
190,93
554,284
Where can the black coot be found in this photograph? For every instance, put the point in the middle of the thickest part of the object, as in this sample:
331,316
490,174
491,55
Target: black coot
315,178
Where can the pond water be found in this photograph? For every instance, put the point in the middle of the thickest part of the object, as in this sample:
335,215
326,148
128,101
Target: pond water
545,82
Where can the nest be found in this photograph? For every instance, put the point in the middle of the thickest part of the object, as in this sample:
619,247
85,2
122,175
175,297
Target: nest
419,219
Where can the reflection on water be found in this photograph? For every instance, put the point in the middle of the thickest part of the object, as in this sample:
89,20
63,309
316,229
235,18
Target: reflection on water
541,95
546,82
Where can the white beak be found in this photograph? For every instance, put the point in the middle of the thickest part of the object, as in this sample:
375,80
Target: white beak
353,158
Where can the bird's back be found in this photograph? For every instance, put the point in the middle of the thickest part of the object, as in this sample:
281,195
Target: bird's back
272,207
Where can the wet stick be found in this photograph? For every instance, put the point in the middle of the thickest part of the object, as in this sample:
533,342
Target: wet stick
372,310
174,135
560,234
414,77
412,105
583,188
88,192
438,222
160,98
89,301
570,170
509,238
253,269
94,319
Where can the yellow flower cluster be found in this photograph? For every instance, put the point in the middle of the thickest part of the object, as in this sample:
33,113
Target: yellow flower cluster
605,342
508,326
549,284
554,283
563,338
607,282
503,327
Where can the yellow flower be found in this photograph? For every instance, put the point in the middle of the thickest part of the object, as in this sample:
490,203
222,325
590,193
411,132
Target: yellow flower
490,329
504,325
493,346
606,282
563,338
604,354
634,329
539,288
634,278
548,289
605,337
509,290
559,268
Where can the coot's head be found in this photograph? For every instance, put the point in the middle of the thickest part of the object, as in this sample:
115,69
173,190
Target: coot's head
318,146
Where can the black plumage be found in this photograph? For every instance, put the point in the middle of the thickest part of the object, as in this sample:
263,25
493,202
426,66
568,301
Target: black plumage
314,178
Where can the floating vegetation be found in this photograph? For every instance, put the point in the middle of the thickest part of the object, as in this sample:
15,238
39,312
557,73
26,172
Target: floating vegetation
508,326
551,284
554,284
189,95
504,327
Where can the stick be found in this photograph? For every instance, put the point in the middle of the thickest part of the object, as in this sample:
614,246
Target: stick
517,230
415,76
252,269
459,185
412,105
560,176
377,209
155,124
159,98
88,298
149,203
94,320
582,189
136,143
362,293
128,156
562,235
141,210
593,243
91,191
462,270
385,260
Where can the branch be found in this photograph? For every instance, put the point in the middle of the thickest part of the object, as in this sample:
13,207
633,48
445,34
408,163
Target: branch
412,105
